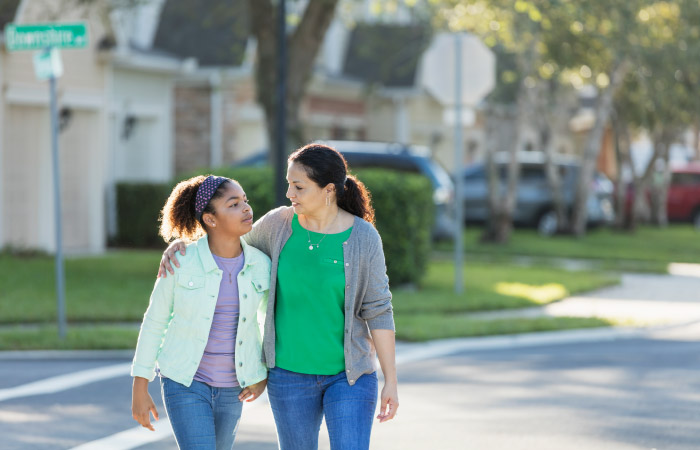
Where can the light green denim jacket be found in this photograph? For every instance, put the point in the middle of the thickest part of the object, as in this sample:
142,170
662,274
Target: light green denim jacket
176,325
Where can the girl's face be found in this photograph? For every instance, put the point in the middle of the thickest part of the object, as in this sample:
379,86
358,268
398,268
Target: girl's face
306,196
232,213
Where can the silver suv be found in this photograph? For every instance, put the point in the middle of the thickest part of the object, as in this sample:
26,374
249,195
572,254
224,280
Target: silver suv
534,201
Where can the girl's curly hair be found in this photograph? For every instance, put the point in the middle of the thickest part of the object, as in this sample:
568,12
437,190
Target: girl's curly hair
178,219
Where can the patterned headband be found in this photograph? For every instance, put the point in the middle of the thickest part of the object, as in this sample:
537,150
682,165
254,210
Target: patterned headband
204,193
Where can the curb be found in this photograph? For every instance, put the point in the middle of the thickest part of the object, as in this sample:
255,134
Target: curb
413,351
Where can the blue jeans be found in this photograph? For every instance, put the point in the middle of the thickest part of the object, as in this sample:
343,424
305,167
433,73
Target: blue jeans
300,401
202,416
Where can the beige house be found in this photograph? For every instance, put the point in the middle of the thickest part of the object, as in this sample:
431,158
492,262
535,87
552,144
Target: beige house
115,105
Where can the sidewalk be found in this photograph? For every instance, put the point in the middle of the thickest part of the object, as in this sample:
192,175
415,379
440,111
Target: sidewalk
640,299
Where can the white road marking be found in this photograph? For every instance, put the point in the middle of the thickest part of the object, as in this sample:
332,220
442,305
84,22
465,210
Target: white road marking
132,438
64,382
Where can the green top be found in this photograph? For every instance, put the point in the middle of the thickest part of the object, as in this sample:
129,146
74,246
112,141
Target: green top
309,317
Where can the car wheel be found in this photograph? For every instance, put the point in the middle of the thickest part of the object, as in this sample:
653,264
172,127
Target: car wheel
548,223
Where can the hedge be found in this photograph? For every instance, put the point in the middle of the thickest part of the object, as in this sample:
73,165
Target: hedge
138,209
403,206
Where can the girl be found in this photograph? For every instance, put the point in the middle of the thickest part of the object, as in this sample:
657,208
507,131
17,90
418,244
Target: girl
203,326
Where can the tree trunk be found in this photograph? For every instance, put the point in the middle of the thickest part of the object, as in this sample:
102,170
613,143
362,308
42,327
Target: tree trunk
592,148
303,45
501,196
623,216
660,180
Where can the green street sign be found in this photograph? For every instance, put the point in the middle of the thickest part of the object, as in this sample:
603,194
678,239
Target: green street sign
43,35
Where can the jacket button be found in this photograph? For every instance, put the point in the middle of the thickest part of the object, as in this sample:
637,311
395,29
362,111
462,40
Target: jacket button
346,330
347,264
240,364
240,342
258,286
243,319
352,381
245,295
348,371
190,284
242,383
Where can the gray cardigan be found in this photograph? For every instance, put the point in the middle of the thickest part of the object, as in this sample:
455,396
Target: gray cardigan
367,295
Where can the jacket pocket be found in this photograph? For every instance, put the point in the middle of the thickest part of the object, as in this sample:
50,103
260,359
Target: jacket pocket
261,284
189,289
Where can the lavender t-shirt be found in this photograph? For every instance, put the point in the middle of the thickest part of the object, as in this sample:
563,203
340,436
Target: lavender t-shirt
217,367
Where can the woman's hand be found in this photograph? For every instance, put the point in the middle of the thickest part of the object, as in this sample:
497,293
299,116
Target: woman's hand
169,257
252,392
390,402
142,403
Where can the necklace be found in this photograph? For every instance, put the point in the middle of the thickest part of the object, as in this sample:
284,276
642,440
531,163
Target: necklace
228,271
308,234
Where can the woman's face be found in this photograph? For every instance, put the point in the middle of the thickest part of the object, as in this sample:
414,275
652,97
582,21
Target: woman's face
233,215
306,196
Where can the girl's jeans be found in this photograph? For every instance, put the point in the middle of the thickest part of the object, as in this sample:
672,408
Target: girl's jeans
202,416
300,401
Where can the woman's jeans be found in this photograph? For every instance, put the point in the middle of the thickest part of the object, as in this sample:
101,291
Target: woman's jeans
202,416
300,401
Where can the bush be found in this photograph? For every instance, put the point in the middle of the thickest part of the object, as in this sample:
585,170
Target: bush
138,209
405,213
403,204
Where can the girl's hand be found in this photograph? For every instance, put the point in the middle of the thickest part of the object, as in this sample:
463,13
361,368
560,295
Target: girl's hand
390,402
169,257
252,392
142,403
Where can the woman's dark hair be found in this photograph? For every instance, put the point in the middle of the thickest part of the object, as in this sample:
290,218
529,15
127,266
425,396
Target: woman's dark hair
178,219
325,165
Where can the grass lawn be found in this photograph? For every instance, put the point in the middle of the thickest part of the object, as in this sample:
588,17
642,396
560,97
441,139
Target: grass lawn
648,248
490,286
98,337
115,288
112,287
426,327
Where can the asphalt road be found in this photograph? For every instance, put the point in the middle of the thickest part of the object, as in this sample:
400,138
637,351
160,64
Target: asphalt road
637,393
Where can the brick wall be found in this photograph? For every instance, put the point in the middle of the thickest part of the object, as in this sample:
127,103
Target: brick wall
192,128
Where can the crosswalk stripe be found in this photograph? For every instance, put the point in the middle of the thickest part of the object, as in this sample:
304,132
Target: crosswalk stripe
64,382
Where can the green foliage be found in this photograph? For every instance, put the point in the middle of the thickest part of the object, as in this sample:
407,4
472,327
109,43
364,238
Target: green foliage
404,211
138,211
403,204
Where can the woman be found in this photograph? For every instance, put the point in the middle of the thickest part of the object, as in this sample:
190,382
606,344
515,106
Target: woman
329,308
203,326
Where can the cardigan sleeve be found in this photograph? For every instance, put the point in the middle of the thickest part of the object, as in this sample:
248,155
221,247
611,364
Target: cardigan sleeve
376,305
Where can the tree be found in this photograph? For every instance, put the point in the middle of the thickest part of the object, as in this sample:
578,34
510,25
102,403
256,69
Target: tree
303,44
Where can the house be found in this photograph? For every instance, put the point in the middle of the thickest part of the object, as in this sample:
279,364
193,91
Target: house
115,102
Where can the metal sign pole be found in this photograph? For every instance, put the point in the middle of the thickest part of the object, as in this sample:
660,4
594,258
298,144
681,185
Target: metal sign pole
459,159
60,277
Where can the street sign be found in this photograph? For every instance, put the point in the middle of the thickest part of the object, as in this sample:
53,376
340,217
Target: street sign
478,69
42,35
48,64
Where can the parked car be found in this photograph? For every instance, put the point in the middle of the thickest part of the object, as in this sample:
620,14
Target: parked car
683,200
404,158
683,197
534,200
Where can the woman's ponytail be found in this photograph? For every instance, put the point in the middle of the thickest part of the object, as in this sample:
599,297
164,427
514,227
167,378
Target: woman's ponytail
356,199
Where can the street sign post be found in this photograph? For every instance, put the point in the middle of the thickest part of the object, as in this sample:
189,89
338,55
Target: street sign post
459,71
47,38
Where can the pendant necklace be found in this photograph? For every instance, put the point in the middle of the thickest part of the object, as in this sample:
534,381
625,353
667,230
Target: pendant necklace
308,234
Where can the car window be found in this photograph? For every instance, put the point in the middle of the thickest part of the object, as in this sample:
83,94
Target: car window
685,179
531,173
